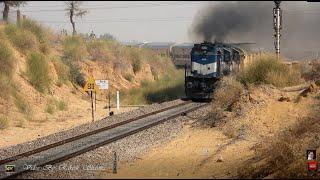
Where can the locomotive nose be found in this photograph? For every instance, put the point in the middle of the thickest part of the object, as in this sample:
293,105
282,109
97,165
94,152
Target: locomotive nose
202,85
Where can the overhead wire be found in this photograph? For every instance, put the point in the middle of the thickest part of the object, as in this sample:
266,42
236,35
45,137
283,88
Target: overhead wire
114,7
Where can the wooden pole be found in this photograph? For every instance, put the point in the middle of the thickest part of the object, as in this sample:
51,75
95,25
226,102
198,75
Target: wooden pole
109,103
114,163
18,17
95,101
92,107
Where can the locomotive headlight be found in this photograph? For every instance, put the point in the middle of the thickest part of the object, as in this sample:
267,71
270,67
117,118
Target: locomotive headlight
202,85
189,84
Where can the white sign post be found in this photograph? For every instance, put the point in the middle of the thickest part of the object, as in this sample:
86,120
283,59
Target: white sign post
118,100
102,84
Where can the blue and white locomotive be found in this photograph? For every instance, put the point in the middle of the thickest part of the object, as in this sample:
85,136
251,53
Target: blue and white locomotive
209,62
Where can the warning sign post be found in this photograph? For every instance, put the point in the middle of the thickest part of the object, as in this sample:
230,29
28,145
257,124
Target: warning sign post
91,87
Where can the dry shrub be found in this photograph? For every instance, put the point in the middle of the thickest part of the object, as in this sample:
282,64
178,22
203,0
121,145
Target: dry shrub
285,156
22,105
62,70
38,71
61,105
55,104
5,87
227,93
311,72
136,60
4,122
24,40
269,70
129,77
213,118
7,60
7,63
166,88
97,50
42,34
75,48
22,123
305,125
278,79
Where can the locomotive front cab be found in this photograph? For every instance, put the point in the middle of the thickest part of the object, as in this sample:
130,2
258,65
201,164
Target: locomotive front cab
201,76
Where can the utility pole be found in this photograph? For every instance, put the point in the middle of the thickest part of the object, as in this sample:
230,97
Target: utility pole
277,20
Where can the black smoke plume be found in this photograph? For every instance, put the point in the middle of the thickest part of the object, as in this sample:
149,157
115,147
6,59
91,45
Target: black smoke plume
252,21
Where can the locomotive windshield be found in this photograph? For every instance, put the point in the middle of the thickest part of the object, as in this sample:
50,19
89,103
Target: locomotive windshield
203,60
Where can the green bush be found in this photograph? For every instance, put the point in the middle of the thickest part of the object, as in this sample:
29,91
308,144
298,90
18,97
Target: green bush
55,104
24,40
22,104
75,74
38,71
61,105
75,48
62,70
270,71
166,88
50,109
7,60
144,83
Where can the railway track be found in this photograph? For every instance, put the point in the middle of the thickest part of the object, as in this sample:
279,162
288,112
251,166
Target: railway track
71,147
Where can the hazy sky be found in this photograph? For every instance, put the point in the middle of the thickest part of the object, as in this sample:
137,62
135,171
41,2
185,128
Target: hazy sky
137,20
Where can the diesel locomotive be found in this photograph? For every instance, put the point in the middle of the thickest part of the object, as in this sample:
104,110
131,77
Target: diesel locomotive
209,63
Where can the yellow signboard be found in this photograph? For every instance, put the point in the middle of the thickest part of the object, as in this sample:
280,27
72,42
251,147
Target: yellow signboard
91,85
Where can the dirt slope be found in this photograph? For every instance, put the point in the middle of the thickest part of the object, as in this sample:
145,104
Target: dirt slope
219,152
37,122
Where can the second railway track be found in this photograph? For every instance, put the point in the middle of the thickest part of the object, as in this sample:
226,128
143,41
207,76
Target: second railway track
71,147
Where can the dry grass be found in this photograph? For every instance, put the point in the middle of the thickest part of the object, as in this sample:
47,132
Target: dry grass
50,108
285,156
98,50
4,122
38,71
22,123
7,66
166,88
311,72
74,48
42,34
61,105
129,77
5,87
7,59
22,105
54,104
227,93
63,71
22,39
269,70
136,59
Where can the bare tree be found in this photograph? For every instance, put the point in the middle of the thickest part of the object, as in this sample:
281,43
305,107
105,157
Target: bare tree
74,10
7,5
